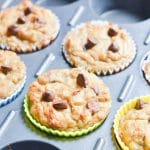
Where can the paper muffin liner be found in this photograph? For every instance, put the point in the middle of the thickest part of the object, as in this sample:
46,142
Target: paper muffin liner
145,59
34,47
11,98
120,67
54,131
122,112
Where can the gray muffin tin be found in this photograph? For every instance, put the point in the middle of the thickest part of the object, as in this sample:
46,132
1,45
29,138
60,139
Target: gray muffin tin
131,15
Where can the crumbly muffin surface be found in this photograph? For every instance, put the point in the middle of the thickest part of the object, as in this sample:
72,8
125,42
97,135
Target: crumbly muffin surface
99,47
69,100
134,128
12,73
27,27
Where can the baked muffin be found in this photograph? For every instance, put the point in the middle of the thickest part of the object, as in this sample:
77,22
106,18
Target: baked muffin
146,71
99,47
68,100
27,28
145,66
12,75
134,127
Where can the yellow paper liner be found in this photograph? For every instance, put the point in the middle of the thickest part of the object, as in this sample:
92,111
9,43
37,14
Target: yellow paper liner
122,112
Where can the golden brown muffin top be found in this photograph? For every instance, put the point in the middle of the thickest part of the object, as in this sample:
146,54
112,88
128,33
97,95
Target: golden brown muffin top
69,99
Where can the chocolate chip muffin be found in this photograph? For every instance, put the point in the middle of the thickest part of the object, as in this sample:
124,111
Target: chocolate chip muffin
99,47
68,100
134,127
12,74
27,28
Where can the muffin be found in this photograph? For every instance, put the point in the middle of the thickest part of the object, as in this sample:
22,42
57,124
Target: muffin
27,28
68,100
12,76
146,67
146,71
99,47
134,125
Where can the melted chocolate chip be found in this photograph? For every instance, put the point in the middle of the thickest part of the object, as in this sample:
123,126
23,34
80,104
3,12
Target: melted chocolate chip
112,32
21,20
48,96
60,105
28,11
149,120
82,80
139,105
93,106
113,47
90,43
12,30
5,69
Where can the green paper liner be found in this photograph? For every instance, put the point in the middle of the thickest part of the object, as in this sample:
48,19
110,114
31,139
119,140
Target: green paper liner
54,131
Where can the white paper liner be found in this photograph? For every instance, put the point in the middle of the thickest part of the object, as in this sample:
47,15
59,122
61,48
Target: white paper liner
5,46
120,66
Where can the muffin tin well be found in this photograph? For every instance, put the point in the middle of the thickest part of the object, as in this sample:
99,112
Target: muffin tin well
59,2
124,11
51,2
136,23
29,145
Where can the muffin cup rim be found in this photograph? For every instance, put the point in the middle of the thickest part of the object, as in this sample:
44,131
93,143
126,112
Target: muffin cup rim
55,131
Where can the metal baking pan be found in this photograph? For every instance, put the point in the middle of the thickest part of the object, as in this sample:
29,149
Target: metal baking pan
131,15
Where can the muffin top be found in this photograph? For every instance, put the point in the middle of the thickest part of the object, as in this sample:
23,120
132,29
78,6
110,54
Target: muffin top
99,47
12,73
26,27
69,99
134,128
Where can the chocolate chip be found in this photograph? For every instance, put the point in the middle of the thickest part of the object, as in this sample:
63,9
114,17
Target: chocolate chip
149,120
28,11
112,32
93,106
113,47
90,43
141,104
12,30
48,96
5,69
82,80
21,20
60,105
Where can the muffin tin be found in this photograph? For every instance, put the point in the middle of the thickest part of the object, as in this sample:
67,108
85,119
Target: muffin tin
134,20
